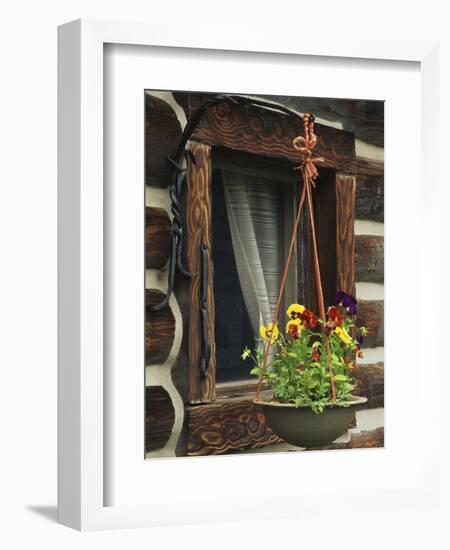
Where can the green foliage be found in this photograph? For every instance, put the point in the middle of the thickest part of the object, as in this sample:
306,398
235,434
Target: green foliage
298,371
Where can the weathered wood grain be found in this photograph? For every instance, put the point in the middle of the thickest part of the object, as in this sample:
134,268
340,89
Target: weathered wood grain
227,425
162,135
371,315
270,134
198,231
369,189
370,198
358,440
236,389
345,232
370,384
159,329
180,368
325,219
369,167
369,258
158,236
367,439
362,117
159,417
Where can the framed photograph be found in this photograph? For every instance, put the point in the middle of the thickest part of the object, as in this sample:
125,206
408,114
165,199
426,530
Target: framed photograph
239,249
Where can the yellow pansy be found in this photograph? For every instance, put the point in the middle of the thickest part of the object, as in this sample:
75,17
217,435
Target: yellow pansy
270,331
344,335
294,311
294,327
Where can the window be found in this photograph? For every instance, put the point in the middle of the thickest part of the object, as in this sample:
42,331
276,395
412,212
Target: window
253,203
239,183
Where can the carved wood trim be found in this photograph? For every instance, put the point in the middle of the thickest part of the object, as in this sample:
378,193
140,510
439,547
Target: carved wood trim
198,227
270,134
345,232
228,424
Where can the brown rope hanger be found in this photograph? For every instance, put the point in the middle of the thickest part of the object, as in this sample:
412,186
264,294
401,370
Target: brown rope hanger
305,145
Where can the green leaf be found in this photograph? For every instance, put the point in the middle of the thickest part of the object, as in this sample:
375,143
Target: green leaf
340,378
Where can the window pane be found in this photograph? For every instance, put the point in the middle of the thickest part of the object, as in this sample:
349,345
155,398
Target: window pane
248,255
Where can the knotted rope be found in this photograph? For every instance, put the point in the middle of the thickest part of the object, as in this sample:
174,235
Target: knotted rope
305,145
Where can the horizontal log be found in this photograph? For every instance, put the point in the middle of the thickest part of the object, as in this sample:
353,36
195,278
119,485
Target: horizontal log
369,167
236,389
158,236
369,198
159,329
367,439
159,417
371,316
370,383
369,189
227,425
369,258
362,117
162,135
358,440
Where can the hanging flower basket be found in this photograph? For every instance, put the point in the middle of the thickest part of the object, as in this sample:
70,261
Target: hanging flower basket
302,427
310,370
311,373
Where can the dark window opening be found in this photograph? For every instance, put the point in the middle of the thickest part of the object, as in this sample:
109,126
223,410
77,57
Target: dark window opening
253,204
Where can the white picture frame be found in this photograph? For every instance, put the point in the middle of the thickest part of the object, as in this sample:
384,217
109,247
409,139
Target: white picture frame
82,483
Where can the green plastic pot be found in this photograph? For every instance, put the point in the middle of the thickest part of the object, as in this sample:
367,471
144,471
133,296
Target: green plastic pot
301,427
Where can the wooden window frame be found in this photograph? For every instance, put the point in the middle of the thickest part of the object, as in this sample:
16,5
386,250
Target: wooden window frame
222,417
265,135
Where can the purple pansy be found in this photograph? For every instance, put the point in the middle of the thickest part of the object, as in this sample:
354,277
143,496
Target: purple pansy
348,301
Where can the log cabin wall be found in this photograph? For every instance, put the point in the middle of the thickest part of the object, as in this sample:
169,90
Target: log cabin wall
166,331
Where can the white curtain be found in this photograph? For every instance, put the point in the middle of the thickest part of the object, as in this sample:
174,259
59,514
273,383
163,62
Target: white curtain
253,207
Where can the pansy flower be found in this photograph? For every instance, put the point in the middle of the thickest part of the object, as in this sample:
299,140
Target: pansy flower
294,327
309,319
315,355
295,310
270,331
348,301
335,319
344,335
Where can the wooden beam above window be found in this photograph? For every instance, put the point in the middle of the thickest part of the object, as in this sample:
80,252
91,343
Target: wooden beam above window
270,134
